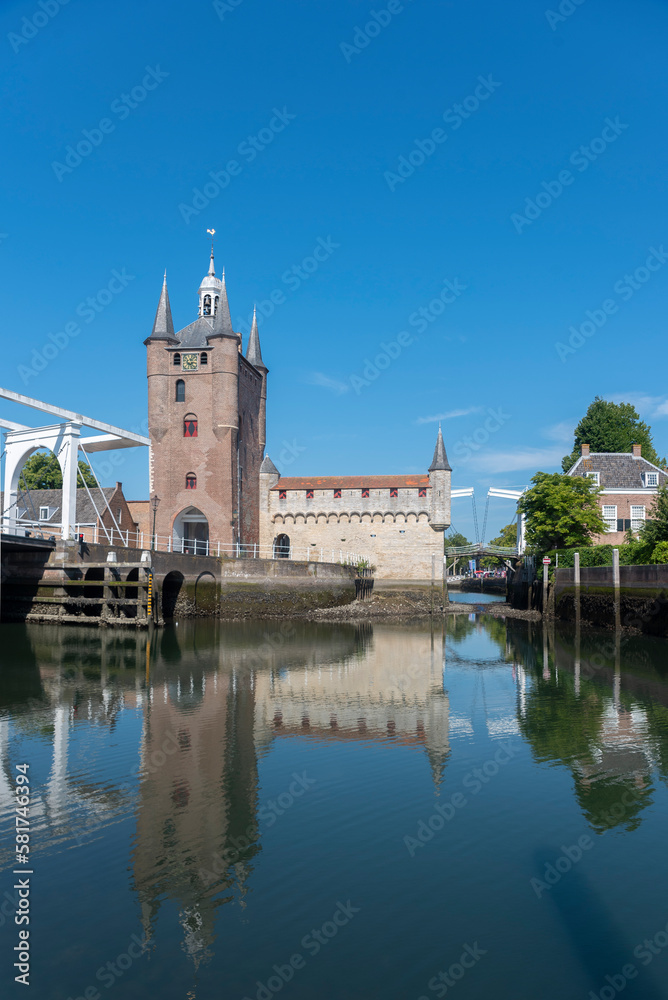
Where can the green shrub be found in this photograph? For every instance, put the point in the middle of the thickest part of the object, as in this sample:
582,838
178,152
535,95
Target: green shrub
660,553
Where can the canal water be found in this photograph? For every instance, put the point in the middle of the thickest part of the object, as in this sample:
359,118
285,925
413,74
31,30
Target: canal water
337,811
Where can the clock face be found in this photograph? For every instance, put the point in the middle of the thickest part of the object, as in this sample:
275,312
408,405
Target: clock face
189,363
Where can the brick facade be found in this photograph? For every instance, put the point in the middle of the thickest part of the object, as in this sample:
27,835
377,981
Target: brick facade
205,400
627,480
207,426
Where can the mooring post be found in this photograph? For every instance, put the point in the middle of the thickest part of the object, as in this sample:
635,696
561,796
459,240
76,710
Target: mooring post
433,578
617,587
576,582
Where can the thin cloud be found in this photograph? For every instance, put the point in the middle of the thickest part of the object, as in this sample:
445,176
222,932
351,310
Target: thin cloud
562,432
647,406
333,384
447,416
493,462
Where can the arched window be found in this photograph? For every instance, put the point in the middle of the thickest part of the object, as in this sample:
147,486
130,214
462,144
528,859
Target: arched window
177,359
190,426
281,547
204,358
215,305
180,391
191,481
207,305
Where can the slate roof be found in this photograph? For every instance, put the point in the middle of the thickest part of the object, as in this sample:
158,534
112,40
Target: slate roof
194,335
53,500
618,470
440,459
268,466
349,482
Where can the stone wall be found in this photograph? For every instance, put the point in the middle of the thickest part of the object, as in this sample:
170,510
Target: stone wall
393,533
643,596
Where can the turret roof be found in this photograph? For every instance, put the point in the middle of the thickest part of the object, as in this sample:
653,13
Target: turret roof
440,460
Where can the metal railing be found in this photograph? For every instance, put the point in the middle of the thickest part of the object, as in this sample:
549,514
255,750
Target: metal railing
491,550
92,534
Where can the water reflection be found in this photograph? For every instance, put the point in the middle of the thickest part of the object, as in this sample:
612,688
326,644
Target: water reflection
169,732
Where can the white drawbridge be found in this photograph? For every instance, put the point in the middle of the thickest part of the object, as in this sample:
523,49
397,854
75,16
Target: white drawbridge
64,440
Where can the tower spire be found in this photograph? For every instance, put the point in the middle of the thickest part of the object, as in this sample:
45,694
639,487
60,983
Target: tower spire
254,353
212,269
222,321
440,459
163,325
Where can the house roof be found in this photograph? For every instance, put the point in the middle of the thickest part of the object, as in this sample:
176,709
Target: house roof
53,500
349,482
618,470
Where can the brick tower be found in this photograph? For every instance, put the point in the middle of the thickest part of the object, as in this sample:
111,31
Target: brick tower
207,423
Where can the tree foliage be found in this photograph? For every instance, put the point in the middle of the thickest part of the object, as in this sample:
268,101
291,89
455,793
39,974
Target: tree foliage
655,529
561,511
507,536
610,426
42,472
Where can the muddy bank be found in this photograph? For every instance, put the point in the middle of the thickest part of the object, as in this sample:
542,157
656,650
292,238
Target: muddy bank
405,605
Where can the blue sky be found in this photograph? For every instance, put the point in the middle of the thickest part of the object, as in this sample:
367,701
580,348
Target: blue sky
502,230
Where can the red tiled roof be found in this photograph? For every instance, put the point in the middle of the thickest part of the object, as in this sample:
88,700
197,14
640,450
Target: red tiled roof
349,482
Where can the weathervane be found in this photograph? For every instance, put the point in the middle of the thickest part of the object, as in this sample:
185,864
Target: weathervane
212,233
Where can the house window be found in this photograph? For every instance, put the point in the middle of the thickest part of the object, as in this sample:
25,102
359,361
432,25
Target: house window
190,426
337,494
119,515
637,517
422,492
609,513
650,478
191,481
180,391
309,494
394,492
596,476
204,358
44,513
282,494
365,494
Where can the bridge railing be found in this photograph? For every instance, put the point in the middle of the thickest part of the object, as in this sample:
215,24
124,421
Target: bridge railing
93,534
482,550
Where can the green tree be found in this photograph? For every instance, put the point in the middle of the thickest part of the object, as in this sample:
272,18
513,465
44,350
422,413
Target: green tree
42,472
655,529
507,537
561,512
610,426
456,540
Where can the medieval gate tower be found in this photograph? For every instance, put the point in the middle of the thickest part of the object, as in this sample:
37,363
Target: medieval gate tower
207,422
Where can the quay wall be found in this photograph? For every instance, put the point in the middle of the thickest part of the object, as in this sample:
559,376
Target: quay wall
69,581
641,601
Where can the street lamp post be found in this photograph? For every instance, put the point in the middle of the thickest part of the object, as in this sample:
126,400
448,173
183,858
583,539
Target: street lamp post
155,500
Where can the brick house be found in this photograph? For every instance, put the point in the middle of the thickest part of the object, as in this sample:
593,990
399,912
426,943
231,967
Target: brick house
628,484
40,512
